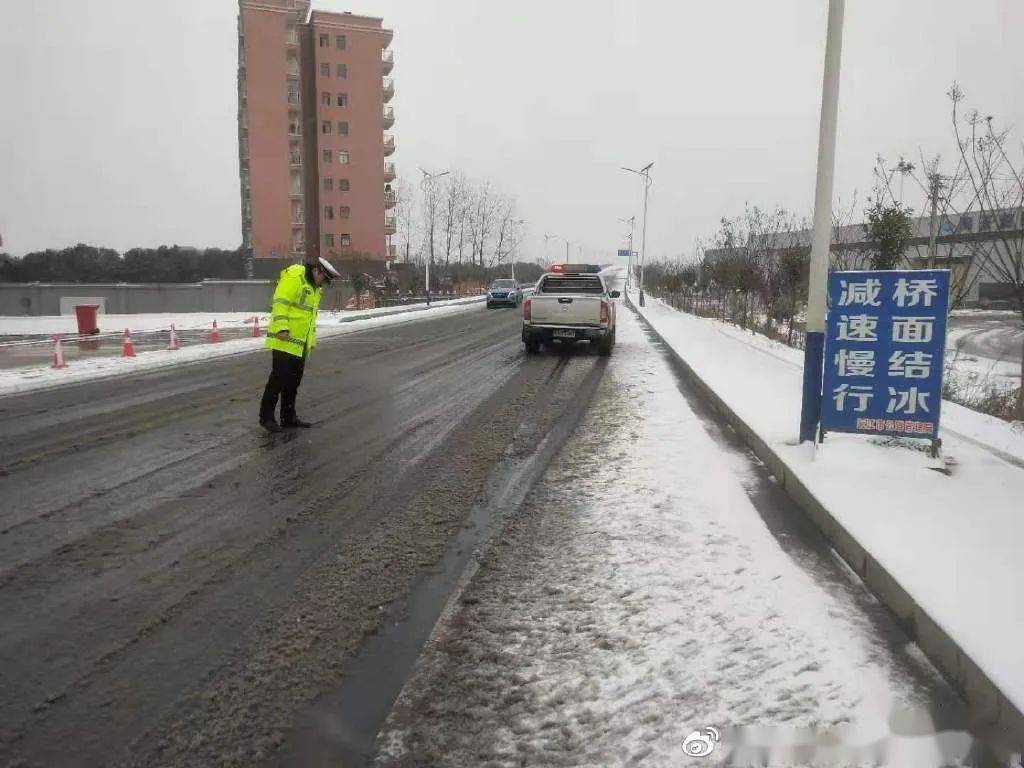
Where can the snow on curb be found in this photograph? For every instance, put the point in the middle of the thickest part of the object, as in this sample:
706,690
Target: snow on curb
18,380
941,553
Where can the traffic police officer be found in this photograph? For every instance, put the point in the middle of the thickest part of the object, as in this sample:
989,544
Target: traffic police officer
290,336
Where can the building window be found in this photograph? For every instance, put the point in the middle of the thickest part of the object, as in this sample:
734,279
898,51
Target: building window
1006,219
329,241
987,222
327,156
325,126
343,185
342,99
345,240
343,158
325,40
294,128
343,128
328,184
325,99
293,91
966,224
342,70
328,212
339,42
344,211
325,69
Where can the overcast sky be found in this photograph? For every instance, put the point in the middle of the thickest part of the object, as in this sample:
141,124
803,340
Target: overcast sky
119,126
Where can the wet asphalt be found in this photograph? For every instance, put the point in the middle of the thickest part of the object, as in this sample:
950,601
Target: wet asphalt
179,588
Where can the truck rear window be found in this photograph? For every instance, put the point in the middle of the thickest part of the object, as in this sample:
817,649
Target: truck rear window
590,285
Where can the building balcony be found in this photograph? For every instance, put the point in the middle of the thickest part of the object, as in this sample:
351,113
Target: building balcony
295,161
390,225
389,89
389,116
389,172
390,198
389,144
293,99
387,60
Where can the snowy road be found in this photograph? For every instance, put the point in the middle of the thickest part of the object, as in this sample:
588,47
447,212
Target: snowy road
989,335
179,588
656,582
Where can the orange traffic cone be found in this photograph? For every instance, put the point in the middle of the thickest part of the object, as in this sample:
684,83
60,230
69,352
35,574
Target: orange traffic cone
127,350
174,339
215,335
58,354
255,326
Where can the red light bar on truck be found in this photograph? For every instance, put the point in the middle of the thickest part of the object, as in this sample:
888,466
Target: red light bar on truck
575,269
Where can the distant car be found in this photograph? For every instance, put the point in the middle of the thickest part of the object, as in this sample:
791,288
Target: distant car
504,292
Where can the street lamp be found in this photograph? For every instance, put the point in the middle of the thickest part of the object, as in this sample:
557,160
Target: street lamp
629,259
546,238
515,243
428,178
645,172
814,348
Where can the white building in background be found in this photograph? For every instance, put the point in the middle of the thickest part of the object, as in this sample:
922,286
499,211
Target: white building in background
963,245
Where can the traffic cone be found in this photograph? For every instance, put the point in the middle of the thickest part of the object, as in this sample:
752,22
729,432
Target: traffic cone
215,335
174,339
255,326
127,350
58,354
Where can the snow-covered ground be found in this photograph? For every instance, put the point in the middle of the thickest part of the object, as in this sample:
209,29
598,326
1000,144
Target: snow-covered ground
983,351
67,325
952,542
329,324
639,596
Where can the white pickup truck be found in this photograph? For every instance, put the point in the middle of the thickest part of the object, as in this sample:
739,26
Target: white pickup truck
571,303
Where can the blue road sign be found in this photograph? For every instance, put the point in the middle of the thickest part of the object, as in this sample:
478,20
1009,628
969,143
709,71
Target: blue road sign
885,340
623,253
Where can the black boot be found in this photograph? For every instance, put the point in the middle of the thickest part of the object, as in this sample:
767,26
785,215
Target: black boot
293,422
270,425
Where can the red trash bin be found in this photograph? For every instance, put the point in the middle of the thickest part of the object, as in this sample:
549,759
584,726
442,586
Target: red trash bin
86,315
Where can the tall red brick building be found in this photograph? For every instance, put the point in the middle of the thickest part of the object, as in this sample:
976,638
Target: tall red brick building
313,120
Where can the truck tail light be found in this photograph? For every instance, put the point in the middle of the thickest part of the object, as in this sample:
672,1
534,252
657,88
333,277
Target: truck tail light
527,309
604,312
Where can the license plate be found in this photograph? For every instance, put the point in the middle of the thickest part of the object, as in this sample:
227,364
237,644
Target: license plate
564,334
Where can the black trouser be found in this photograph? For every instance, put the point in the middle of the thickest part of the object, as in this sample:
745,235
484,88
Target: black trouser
285,377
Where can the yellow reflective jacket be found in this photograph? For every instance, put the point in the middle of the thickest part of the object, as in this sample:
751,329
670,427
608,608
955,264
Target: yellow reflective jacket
294,308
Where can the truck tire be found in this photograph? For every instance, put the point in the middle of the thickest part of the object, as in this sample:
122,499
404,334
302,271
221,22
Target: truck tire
604,346
532,346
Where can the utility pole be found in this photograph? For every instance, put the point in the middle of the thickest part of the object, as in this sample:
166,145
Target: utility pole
933,228
814,349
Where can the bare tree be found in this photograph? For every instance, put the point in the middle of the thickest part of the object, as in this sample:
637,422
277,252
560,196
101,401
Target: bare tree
481,220
453,214
505,216
430,204
405,208
997,183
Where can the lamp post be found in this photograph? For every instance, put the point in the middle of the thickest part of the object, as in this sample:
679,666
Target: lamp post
644,172
629,259
814,348
428,178
546,238
515,243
